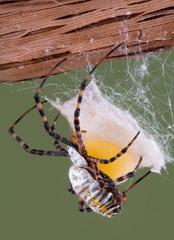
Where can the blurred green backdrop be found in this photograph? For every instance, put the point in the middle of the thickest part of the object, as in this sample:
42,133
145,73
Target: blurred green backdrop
35,203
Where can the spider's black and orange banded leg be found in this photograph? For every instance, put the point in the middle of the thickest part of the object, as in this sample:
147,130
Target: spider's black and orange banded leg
81,146
56,142
70,189
97,174
82,207
122,178
54,122
123,151
41,111
61,151
128,175
141,178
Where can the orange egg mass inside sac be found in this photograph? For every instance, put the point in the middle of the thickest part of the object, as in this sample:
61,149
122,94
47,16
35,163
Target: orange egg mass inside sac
100,148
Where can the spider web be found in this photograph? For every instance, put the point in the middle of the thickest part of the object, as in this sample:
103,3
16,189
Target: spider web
145,89
142,86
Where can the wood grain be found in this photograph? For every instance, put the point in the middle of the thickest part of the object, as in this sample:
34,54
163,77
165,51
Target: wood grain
35,34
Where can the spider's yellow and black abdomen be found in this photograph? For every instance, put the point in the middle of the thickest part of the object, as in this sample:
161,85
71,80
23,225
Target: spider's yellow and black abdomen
106,202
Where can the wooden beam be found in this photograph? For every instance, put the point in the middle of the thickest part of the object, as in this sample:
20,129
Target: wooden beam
36,34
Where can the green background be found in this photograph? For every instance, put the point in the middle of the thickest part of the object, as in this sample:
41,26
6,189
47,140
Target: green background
35,203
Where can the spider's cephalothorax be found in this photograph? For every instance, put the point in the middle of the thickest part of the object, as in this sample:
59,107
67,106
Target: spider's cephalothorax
93,187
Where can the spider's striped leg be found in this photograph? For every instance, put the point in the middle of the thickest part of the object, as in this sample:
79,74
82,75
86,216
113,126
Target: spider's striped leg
122,178
128,175
61,152
82,207
54,123
35,151
70,189
56,142
123,151
141,178
41,111
81,146
97,174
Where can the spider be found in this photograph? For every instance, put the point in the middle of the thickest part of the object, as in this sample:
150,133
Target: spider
96,189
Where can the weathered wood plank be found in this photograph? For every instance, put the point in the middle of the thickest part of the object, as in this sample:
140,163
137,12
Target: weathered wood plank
35,34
